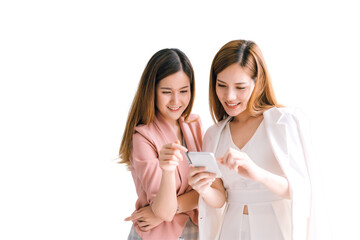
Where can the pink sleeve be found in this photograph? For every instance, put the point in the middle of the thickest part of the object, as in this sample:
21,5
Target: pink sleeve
146,166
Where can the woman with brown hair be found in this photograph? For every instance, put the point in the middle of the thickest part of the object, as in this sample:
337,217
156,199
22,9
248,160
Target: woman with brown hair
158,131
263,154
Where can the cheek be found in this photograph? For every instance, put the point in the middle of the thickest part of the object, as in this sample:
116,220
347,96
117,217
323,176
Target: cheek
246,95
187,98
159,101
219,93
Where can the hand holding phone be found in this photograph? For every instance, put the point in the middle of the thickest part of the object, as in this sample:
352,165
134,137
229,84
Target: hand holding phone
204,159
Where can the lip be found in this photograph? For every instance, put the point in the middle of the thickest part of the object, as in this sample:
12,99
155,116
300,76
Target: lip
174,109
232,105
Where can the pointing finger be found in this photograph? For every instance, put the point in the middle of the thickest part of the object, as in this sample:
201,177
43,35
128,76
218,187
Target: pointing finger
178,146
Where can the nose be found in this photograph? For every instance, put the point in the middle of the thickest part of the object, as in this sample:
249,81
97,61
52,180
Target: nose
174,98
230,95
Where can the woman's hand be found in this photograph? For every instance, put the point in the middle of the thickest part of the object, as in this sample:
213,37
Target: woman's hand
242,164
170,155
144,218
199,179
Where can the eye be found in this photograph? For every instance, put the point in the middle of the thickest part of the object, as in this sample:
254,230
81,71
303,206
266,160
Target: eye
183,91
221,85
241,88
166,92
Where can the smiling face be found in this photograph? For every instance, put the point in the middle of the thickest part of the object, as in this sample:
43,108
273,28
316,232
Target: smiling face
234,87
173,96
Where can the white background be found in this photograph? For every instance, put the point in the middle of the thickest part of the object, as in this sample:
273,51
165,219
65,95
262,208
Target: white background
69,70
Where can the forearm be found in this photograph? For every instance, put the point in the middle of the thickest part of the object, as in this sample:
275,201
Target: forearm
215,196
188,201
165,203
277,184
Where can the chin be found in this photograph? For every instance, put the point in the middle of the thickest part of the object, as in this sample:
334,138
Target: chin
174,116
234,113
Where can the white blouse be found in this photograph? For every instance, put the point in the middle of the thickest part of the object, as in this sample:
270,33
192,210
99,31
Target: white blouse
263,222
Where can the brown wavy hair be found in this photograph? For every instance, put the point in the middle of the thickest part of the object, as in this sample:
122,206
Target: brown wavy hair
143,109
248,55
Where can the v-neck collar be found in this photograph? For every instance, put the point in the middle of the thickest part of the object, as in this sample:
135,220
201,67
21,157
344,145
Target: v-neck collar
248,142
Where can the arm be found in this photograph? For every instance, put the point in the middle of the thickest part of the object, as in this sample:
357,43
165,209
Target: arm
165,203
210,188
188,201
275,183
146,219
148,167
243,165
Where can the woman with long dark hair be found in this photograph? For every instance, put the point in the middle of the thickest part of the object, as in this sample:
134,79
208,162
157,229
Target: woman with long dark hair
158,131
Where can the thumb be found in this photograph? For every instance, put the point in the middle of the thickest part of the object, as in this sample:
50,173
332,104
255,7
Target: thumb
220,159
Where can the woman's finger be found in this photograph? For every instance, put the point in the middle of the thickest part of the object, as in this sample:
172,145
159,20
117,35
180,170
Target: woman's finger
177,146
134,216
145,228
203,185
206,185
179,155
196,170
204,181
175,157
203,175
168,154
128,218
201,178
142,223
220,159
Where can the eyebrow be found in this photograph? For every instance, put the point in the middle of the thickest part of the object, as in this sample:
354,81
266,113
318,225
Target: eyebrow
167,88
238,83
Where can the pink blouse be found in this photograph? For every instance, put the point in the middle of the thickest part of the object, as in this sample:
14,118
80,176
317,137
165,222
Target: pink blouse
145,170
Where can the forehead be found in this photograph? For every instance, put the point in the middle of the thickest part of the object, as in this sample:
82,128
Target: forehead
234,74
176,80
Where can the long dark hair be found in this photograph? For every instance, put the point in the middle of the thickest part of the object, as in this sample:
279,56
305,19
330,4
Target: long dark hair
162,64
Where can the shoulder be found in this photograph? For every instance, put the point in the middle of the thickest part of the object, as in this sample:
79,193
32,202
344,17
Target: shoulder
294,111
144,143
142,134
145,133
145,129
285,114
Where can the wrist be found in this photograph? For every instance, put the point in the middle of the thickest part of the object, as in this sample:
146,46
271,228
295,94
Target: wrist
204,192
263,176
168,173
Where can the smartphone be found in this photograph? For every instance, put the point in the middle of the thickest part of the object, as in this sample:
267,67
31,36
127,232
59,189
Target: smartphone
204,159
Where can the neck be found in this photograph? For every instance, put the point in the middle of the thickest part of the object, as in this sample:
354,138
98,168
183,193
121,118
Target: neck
176,127
242,117
174,124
